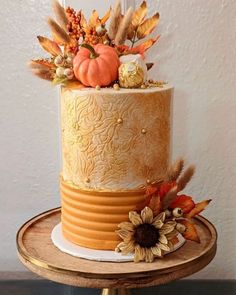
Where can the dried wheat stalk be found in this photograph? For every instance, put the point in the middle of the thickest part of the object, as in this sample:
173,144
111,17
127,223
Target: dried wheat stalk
43,74
170,197
115,20
123,27
58,32
185,177
60,14
34,65
175,170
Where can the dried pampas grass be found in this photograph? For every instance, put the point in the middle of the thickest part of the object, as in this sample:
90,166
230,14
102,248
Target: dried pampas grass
58,32
42,73
175,170
170,197
123,27
60,14
185,177
115,20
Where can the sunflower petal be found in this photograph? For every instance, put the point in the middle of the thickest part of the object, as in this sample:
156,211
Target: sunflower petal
120,246
124,234
171,246
172,223
147,215
158,224
161,216
156,251
127,226
166,229
139,253
149,257
128,248
135,218
164,247
172,235
163,239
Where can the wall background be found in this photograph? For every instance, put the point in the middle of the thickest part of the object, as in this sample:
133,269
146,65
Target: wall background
196,53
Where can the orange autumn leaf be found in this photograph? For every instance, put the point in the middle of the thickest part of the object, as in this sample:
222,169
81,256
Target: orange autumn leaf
71,85
143,47
139,14
131,32
49,46
198,208
105,18
148,26
42,62
184,202
165,187
151,190
191,231
83,21
94,18
155,205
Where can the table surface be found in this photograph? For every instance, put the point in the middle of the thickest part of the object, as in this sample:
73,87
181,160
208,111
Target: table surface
37,252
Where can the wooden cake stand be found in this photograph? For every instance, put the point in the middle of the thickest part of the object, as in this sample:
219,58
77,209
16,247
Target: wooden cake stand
37,253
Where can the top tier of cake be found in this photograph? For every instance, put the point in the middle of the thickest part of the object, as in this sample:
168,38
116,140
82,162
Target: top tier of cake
115,140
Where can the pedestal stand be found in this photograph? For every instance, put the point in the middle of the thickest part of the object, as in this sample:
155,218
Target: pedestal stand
37,253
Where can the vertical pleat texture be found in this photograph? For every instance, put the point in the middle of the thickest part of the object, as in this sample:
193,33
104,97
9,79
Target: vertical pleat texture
90,219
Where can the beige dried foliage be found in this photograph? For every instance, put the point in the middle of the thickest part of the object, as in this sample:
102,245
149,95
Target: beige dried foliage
60,14
115,20
139,14
59,34
170,197
175,170
34,65
148,26
185,177
122,32
44,74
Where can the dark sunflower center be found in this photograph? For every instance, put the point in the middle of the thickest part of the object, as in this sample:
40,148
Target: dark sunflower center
146,235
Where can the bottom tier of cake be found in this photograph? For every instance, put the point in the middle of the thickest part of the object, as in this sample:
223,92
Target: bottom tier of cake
90,218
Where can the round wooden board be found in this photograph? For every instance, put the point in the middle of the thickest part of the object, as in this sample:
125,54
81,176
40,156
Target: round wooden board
37,252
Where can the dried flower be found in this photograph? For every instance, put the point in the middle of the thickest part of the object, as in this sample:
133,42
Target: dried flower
145,235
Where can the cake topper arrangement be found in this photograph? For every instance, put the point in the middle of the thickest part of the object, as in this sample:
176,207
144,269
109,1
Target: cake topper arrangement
106,51
154,228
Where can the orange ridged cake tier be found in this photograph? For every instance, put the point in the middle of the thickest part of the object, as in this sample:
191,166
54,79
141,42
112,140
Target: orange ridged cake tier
90,219
113,144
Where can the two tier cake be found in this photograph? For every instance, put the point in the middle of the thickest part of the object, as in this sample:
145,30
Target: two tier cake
118,189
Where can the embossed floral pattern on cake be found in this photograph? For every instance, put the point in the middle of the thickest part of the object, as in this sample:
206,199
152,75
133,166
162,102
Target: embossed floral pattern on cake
112,141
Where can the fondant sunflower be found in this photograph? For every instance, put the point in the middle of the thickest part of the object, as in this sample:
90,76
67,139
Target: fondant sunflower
146,236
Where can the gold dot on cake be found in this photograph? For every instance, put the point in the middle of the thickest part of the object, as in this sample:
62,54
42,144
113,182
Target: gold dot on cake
148,181
144,131
87,180
120,120
116,86
98,87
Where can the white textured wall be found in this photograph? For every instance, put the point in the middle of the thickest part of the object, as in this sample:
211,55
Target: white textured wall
196,53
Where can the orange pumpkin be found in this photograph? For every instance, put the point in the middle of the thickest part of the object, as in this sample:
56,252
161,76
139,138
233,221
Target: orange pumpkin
96,65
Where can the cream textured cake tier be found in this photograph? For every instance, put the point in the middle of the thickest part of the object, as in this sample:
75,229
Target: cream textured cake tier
114,143
115,140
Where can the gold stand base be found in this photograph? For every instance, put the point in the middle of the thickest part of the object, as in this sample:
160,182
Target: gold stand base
118,291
